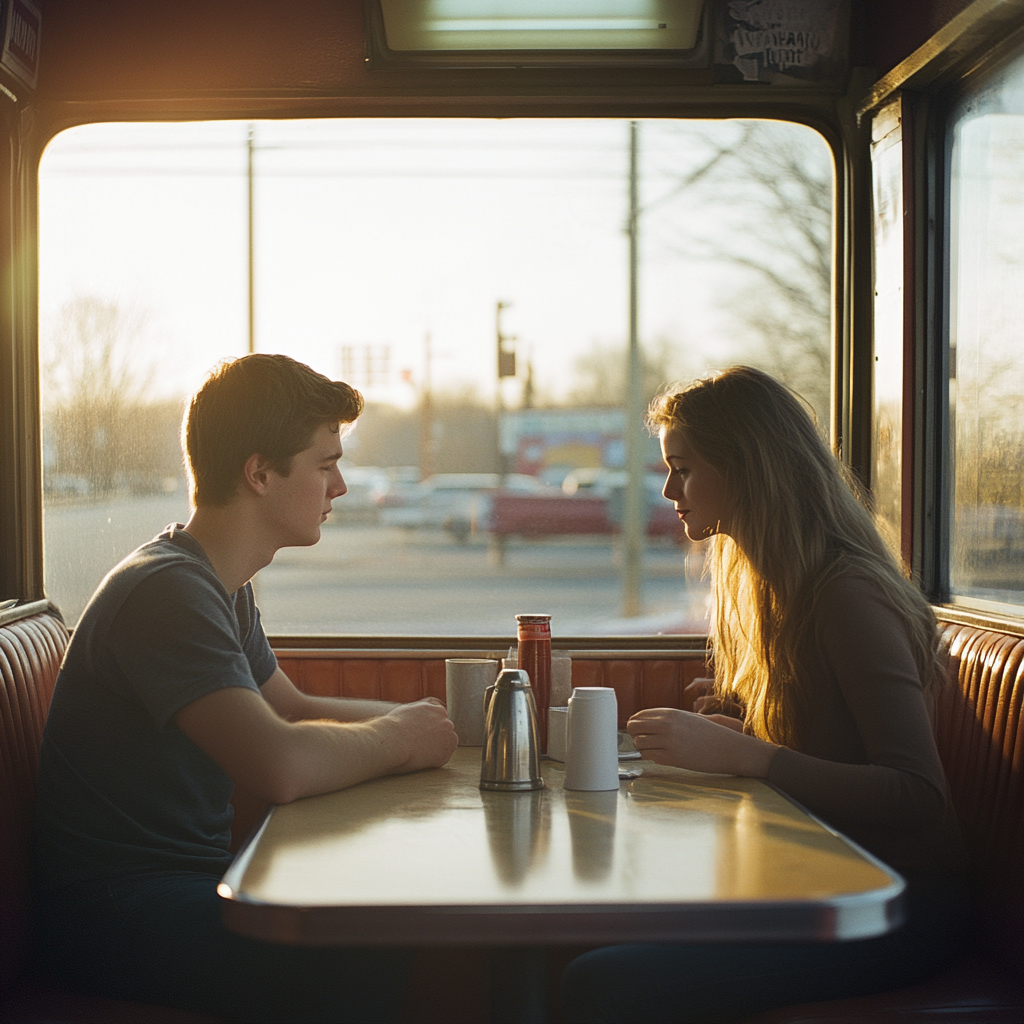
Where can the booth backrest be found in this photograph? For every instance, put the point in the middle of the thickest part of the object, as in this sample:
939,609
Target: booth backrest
31,648
639,682
981,743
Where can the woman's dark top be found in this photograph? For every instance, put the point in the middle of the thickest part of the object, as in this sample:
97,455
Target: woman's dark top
867,762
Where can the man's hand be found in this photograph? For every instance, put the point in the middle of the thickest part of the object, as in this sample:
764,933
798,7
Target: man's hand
424,731
697,742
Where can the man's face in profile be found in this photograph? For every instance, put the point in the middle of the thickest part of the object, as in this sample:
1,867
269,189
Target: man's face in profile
296,505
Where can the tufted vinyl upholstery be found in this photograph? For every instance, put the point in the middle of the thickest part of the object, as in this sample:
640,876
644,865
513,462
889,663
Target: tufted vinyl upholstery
30,654
982,747
31,649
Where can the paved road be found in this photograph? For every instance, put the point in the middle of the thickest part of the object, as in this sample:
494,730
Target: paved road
386,580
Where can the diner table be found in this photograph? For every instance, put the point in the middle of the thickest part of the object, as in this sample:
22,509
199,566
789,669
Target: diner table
671,856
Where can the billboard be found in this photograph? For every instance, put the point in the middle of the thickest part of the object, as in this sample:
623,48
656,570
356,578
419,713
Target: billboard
548,443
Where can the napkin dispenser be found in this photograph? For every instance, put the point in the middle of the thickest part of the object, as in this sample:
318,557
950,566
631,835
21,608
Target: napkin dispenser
510,761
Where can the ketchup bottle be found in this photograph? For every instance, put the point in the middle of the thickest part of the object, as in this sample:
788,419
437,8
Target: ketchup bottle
534,633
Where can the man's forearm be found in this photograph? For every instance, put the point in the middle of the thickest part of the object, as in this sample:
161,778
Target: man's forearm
322,755
282,761
340,709
295,706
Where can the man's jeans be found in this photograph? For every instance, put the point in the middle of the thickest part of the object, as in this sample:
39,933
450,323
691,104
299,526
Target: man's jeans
158,938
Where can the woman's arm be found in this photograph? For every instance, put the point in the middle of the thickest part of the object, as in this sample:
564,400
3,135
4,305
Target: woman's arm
900,780
861,645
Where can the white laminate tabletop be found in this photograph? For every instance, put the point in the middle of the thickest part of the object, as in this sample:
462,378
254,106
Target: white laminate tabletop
672,855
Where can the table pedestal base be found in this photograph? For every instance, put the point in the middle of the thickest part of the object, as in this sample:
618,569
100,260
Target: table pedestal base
517,984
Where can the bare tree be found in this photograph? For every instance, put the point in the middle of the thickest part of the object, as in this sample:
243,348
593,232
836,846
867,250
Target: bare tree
771,186
600,374
101,427
463,435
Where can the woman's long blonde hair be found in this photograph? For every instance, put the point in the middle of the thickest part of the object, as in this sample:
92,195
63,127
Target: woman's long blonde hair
796,523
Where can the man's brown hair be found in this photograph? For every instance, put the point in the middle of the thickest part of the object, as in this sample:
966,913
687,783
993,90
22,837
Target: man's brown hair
269,405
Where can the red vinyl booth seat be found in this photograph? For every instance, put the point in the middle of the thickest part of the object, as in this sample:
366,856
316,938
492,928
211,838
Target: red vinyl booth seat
32,644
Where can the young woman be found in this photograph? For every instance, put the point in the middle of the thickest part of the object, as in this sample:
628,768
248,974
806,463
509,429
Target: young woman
832,656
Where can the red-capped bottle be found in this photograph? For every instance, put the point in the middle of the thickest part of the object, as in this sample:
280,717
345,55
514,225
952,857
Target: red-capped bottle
534,634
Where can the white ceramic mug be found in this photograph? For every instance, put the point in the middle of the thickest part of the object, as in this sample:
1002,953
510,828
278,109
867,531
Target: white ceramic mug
465,682
592,740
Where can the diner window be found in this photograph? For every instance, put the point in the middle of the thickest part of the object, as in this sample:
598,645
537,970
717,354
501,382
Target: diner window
418,259
986,355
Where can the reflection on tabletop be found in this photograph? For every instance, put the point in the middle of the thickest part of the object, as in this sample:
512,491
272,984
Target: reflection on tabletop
592,829
669,836
517,832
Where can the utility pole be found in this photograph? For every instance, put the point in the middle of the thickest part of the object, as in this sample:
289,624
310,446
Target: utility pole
506,368
527,402
426,415
250,138
634,519
252,264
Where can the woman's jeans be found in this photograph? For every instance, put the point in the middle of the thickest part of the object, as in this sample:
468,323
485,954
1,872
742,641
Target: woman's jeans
158,938
712,983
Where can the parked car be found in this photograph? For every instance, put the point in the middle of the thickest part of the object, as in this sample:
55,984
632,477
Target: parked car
366,485
595,483
590,501
457,502
444,501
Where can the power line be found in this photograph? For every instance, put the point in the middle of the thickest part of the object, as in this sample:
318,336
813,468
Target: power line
432,143
368,173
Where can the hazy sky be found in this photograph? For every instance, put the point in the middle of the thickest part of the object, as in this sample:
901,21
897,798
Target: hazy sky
377,231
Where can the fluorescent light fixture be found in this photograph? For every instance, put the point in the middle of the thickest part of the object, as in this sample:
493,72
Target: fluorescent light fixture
543,25
483,26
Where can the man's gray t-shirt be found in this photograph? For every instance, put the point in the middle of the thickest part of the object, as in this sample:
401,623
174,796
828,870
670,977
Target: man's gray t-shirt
121,788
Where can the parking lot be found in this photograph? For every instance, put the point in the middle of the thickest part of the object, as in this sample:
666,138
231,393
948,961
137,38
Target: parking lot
388,580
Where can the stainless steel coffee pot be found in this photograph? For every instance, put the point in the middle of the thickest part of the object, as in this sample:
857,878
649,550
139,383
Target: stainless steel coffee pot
511,752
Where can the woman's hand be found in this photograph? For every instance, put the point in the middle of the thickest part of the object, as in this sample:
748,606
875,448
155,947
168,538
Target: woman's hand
703,700
699,689
736,724
697,742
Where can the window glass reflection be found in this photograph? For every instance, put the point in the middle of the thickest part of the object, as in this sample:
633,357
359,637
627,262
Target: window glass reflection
986,351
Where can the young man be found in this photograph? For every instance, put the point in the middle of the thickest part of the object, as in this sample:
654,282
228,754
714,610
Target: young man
170,694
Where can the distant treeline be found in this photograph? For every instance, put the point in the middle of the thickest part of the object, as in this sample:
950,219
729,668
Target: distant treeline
463,437
95,448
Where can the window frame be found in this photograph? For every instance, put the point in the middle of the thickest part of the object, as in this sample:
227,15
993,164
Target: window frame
127,79
929,83
1008,49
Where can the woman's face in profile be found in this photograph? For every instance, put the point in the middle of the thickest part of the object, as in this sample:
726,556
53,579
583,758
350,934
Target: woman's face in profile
695,487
